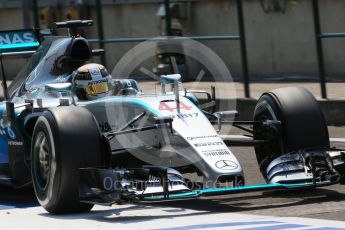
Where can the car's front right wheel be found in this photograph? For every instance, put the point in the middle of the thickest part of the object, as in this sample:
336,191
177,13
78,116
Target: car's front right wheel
303,125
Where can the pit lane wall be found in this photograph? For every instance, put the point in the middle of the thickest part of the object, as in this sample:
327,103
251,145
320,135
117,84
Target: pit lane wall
279,44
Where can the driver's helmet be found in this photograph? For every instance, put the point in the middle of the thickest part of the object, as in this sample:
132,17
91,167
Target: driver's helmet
91,81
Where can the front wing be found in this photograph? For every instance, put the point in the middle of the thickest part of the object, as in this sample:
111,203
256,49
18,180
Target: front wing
108,186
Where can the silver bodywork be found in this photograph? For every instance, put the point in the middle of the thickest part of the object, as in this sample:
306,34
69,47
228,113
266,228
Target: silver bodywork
194,141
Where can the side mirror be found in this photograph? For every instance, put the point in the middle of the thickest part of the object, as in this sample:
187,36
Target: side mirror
208,101
172,79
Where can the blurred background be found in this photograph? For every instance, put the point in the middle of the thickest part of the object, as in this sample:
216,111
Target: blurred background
259,40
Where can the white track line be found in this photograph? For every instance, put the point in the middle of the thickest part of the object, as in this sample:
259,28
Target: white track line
158,218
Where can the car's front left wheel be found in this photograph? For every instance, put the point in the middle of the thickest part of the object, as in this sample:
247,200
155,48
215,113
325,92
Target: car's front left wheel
64,140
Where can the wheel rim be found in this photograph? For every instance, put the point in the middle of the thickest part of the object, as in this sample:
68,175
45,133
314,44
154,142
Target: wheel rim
42,156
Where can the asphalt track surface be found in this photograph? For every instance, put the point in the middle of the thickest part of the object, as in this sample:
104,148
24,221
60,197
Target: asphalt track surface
322,208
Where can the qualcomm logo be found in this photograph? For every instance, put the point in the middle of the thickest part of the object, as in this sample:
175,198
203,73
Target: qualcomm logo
226,165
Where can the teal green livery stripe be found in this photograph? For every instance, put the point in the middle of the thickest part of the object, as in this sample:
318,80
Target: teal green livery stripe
250,187
132,101
19,45
217,191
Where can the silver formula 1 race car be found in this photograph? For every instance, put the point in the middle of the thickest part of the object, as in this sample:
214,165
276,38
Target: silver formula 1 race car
134,147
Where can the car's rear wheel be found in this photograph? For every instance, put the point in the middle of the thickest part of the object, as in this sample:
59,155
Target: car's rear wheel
303,125
64,140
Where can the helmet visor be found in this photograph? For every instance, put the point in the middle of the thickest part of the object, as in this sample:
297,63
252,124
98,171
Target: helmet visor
97,88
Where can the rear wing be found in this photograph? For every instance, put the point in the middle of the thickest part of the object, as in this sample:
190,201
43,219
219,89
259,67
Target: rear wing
18,41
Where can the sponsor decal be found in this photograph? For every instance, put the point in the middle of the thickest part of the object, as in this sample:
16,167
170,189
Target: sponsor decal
97,82
18,41
15,143
208,144
226,165
15,38
184,115
165,106
217,152
153,179
201,137
7,130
